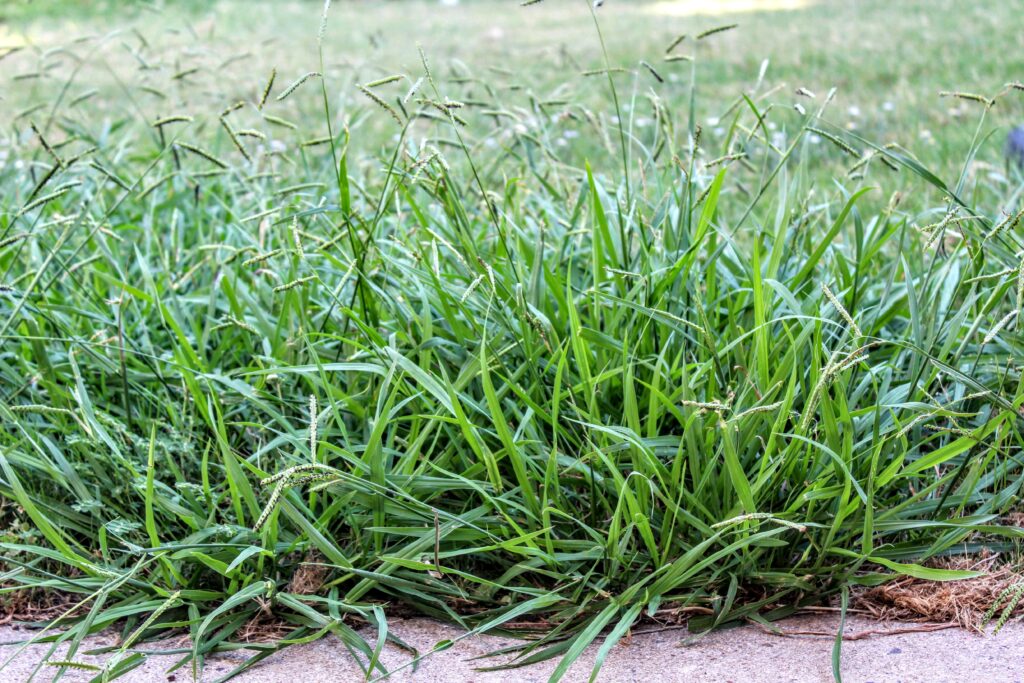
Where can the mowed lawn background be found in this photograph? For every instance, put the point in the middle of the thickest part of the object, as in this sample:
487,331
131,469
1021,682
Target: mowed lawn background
535,319
888,60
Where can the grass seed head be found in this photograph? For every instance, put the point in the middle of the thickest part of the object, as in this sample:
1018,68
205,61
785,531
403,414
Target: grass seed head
715,31
312,425
202,153
841,309
293,284
267,88
297,83
373,97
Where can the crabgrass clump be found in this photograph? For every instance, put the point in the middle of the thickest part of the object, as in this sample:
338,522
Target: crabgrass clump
565,357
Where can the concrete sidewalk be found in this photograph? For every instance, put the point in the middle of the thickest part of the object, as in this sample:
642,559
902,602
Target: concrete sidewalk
742,655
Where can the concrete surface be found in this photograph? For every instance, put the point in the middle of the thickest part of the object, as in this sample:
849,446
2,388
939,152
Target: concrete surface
743,655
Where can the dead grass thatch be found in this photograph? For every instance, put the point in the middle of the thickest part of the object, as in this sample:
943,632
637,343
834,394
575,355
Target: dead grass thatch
962,602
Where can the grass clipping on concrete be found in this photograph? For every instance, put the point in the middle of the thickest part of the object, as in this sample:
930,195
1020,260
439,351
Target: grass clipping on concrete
259,369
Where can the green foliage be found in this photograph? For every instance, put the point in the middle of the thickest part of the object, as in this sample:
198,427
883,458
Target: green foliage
680,375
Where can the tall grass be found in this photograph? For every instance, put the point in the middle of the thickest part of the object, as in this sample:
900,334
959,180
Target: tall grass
496,373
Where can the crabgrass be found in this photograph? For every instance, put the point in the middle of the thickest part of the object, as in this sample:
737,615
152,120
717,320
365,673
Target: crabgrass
556,352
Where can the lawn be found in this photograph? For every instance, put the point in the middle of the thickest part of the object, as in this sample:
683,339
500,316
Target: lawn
539,319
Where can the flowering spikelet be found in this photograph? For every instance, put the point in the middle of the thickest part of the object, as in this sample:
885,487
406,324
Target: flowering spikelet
232,108
1008,598
490,273
602,72
71,664
174,118
11,239
703,195
298,82
72,160
312,424
472,286
412,91
1020,285
293,284
323,22
151,619
230,321
728,158
759,516
1008,223
841,309
383,81
29,111
88,94
110,175
449,245
209,173
994,332
856,356
381,103
234,138
46,145
185,73
714,31
913,423
965,433
651,69
156,183
769,408
153,91
675,43
296,237
261,214
297,188
275,496
834,367
267,89
838,142
447,108
936,230
286,479
47,177
39,201
716,406
422,162
991,275
40,409
241,324
260,258
316,476
251,133
864,161
969,96
200,152
285,475
316,141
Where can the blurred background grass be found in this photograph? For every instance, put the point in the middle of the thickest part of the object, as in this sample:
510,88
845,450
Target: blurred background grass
888,59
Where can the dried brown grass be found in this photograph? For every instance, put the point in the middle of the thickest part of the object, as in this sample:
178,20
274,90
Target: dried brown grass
310,576
36,605
962,602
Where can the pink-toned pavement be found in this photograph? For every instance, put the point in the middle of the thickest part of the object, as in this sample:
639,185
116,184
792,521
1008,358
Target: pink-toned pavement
741,655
